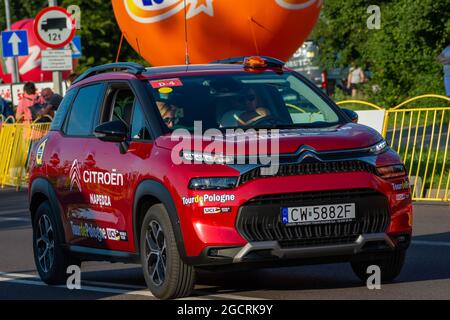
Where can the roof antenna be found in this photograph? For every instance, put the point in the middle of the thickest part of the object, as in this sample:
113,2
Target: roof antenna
186,33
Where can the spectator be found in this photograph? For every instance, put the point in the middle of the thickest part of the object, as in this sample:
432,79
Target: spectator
52,101
444,58
71,79
30,104
355,78
5,109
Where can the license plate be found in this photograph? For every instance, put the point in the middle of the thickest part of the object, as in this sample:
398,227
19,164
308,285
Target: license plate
343,212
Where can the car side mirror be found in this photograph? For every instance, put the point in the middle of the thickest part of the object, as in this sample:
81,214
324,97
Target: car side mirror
351,114
112,131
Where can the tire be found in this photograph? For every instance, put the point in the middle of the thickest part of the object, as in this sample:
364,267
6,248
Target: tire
390,267
51,264
172,278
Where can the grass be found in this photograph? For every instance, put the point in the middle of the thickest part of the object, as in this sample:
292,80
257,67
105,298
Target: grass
418,167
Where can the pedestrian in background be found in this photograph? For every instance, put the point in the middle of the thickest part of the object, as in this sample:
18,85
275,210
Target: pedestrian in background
355,79
70,79
444,58
29,106
52,101
5,109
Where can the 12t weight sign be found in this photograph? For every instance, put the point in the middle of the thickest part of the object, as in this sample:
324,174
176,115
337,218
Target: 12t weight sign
54,27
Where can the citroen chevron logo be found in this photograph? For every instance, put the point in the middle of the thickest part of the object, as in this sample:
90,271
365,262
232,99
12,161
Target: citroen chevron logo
75,176
306,152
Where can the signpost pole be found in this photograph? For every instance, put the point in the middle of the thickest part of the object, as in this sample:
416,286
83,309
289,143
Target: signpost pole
57,75
15,72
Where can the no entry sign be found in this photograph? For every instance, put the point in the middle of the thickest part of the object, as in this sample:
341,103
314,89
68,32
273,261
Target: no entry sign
54,27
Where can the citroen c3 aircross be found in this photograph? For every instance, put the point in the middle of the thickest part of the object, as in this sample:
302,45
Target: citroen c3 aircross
125,174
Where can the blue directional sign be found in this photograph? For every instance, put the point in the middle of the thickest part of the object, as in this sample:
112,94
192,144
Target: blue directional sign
75,46
14,43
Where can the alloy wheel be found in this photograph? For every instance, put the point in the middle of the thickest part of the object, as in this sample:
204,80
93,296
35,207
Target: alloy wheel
45,243
156,253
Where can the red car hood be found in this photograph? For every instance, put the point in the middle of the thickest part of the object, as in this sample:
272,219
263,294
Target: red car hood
348,136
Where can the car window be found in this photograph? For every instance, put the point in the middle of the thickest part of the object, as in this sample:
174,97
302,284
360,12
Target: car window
267,100
139,130
83,110
123,102
62,110
119,105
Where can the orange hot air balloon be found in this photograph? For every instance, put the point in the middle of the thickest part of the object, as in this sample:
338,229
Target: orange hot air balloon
216,29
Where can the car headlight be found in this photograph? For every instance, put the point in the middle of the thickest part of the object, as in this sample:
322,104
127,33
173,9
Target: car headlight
394,171
201,157
219,183
379,147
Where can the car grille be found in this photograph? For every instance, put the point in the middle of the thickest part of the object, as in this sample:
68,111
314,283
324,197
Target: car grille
260,218
311,168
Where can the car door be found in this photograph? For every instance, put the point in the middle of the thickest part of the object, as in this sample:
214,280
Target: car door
69,158
112,174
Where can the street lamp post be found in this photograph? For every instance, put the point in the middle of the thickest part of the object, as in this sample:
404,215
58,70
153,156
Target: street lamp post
15,72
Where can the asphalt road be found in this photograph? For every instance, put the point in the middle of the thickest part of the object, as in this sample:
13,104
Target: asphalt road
426,274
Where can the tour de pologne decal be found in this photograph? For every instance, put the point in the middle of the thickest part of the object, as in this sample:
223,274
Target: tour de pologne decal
90,231
404,185
208,198
92,177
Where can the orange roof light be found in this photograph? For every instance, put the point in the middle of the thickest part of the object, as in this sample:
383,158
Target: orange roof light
255,62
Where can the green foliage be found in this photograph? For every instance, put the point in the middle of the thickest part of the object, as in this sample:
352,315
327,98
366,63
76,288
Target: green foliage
401,55
99,30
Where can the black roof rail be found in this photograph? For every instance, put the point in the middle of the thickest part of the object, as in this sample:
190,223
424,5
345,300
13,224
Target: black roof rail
271,62
131,67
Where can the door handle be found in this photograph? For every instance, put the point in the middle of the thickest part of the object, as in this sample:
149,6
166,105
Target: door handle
89,161
54,159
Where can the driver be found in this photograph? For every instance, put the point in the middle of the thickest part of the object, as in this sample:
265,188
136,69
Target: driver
245,110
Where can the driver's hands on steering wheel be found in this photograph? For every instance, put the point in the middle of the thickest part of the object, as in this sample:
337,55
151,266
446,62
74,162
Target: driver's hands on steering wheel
259,114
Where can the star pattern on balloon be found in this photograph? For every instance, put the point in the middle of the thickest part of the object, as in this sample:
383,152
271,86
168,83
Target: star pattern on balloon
199,6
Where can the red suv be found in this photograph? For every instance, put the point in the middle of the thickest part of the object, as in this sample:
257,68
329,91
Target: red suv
127,173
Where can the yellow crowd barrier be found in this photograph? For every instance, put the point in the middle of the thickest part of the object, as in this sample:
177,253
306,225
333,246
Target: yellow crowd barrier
16,140
420,135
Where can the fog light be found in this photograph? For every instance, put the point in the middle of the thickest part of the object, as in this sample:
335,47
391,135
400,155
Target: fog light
213,252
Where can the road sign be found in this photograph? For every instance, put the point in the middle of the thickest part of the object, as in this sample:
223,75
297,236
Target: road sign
56,60
75,46
14,43
54,27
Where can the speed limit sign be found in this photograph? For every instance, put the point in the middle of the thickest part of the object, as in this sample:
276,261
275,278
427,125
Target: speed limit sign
54,27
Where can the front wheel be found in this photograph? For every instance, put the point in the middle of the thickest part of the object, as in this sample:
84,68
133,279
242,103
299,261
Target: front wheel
50,258
390,266
166,275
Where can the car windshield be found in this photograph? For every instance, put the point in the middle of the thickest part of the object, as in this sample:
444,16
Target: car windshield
244,100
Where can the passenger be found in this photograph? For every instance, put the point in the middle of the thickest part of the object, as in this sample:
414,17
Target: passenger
168,113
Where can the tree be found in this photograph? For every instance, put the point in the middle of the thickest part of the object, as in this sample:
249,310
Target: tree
401,54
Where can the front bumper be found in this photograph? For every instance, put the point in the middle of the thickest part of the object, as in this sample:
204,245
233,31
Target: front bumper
379,242
271,253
